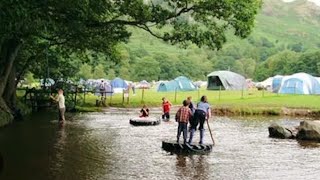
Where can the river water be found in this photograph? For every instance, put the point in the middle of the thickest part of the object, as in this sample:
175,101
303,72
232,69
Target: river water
105,146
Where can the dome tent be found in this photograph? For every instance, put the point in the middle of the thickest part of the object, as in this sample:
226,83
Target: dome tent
118,85
300,83
180,83
185,84
227,80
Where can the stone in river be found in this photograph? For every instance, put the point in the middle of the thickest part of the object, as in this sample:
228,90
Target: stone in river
277,131
309,130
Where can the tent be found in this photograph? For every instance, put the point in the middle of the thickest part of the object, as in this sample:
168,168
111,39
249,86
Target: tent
185,84
276,83
118,85
227,80
300,83
167,86
180,83
266,84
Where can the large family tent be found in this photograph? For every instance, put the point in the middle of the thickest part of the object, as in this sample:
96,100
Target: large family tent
276,83
118,85
300,83
180,83
227,80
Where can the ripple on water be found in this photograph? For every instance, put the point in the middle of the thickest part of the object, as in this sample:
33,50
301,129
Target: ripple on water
106,146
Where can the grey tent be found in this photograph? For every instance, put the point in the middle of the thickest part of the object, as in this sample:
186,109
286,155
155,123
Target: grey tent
227,80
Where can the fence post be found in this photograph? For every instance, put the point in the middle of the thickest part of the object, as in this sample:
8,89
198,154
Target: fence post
242,92
175,95
84,96
219,92
262,92
142,95
122,96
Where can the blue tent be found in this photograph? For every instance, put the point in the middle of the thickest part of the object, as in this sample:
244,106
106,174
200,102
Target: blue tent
167,86
185,84
300,83
180,83
276,83
119,83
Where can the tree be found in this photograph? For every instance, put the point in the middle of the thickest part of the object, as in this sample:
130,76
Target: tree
168,69
72,26
99,72
124,73
245,67
85,71
111,74
148,69
308,63
282,63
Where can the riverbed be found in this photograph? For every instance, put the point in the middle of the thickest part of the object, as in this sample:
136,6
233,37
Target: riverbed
105,146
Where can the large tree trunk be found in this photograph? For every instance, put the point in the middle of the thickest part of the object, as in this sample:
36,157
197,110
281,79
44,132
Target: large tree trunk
9,50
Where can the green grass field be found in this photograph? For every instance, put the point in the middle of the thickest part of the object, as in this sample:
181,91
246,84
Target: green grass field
249,100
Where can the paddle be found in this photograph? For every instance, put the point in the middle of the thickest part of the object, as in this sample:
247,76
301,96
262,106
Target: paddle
210,131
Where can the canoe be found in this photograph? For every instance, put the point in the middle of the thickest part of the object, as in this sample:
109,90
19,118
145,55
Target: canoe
145,121
181,148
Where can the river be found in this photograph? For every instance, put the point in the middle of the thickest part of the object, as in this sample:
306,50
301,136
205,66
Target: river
105,146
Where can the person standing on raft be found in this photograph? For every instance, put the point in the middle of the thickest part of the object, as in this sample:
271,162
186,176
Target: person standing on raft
61,105
182,117
166,105
202,114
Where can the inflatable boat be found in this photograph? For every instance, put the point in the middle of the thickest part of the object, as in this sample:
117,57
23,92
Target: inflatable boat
180,148
145,121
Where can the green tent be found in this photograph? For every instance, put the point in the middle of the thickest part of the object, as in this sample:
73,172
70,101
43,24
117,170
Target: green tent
226,80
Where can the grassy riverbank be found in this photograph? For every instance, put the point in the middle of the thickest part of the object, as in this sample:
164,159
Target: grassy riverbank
250,102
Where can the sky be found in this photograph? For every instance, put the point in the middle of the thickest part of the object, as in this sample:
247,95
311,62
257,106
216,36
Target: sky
317,2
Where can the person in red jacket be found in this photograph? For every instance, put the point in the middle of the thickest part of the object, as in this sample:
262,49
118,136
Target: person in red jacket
166,105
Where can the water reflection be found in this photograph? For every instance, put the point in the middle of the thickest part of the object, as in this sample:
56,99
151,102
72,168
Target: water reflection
309,144
192,167
106,146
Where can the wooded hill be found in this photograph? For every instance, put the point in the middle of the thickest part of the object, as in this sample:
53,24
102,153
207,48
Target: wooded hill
284,34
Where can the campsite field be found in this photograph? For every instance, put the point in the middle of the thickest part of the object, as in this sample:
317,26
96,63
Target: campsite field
246,102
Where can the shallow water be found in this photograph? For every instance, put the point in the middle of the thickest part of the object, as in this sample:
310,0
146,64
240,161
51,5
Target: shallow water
106,146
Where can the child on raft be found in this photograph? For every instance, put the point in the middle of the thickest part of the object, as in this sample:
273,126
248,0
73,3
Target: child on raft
182,117
144,112
166,105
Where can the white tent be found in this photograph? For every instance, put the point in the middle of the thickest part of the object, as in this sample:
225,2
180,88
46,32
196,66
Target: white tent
266,84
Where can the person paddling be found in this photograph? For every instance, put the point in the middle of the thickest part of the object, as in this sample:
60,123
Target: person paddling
202,114
182,117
